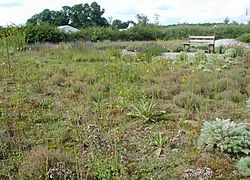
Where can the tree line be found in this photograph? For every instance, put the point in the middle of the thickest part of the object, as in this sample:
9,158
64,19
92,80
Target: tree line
81,16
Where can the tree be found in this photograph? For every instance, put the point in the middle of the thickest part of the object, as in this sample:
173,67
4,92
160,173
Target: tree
227,20
79,15
96,15
234,23
142,19
156,19
119,24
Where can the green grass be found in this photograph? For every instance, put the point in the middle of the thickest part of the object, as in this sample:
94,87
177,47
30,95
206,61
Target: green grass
63,108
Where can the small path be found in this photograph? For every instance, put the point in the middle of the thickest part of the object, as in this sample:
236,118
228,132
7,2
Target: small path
167,55
173,55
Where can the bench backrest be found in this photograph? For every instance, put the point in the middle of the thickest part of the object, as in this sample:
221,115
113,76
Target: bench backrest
201,39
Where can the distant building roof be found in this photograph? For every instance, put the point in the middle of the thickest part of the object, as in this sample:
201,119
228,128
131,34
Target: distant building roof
68,29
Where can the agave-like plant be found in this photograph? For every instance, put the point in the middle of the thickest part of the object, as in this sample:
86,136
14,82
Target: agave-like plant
146,110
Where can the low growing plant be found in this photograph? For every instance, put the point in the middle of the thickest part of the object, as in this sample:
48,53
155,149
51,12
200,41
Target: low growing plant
230,53
226,136
200,56
183,56
159,143
244,166
146,110
248,103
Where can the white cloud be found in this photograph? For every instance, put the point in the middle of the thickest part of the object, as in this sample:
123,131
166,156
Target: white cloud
170,11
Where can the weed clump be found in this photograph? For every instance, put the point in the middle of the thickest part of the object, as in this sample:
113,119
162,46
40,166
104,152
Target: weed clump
187,100
39,163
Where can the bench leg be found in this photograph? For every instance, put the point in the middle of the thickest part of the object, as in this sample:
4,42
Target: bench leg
211,48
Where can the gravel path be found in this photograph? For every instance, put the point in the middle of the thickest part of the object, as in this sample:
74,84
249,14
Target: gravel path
218,43
230,42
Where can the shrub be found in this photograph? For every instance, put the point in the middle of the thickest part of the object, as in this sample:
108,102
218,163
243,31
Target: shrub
244,166
226,136
43,33
244,38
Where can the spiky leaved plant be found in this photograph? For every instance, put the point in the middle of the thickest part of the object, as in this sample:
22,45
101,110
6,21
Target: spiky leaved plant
146,110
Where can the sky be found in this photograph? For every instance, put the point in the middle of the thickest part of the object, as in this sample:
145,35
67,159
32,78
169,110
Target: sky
169,11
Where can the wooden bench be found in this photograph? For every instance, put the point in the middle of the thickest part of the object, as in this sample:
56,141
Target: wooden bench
194,41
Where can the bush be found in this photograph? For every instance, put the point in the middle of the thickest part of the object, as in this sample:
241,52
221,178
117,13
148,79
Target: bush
226,136
244,38
244,166
43,33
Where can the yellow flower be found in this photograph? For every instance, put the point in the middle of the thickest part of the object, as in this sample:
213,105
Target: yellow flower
2,63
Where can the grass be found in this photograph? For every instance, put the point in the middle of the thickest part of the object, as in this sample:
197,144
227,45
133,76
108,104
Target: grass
63,112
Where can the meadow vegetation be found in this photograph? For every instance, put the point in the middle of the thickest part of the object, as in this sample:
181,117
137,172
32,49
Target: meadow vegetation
86,111
45,32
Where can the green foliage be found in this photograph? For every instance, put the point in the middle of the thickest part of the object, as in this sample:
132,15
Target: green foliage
231,53
79,15
46,32
244,38
200,56
244,166
106,169
146,110
96,35
43,33
119,24
183,56
63,111
15,37
142,19
155,49
178,48
226,136
12,39
188,100
248,102
160,143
